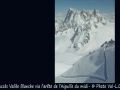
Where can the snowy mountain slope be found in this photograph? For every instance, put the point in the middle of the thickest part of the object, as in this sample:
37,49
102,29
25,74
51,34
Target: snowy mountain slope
96,67
80,26
77,35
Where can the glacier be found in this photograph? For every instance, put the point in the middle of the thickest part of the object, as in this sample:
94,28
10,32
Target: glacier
80,52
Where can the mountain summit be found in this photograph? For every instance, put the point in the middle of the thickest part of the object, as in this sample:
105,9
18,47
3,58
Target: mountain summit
79,26
84,47
76,18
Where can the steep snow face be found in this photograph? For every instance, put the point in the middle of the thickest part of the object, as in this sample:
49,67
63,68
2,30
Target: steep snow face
96,67
83,28
77,18
77,34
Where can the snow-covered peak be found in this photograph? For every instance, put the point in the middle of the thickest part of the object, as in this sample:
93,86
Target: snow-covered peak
71,9
79,17
80,26
83,38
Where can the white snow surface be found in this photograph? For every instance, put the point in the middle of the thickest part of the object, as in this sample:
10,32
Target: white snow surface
97,67
68,58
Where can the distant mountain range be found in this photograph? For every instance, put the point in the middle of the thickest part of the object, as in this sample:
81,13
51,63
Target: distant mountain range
81,24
